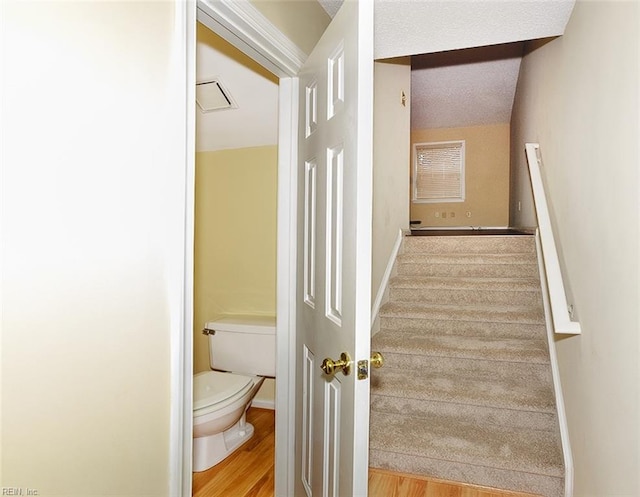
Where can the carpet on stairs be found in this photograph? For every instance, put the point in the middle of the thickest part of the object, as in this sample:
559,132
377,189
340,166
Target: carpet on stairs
466,392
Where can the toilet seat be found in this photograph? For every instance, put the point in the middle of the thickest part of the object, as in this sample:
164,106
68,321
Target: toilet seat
214,390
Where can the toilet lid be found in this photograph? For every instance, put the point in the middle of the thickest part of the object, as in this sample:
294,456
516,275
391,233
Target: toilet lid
212,387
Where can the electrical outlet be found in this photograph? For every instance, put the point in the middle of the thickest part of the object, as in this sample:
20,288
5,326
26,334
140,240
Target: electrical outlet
453,214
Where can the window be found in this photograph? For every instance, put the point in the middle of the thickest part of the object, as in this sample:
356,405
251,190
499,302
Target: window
438,172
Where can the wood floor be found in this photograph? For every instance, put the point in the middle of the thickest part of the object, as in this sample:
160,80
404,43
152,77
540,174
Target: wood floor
387,484
249,473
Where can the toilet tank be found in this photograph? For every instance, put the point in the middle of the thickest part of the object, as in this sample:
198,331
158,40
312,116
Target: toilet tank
243,344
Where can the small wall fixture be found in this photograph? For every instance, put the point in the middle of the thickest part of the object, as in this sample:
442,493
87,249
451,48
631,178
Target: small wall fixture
212,95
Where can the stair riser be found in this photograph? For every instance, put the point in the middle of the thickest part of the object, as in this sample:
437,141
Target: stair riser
448,327
464,297
447,470
509,418
469,245
482,368
468,270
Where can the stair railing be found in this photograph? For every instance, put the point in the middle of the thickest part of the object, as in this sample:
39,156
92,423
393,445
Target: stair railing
560,310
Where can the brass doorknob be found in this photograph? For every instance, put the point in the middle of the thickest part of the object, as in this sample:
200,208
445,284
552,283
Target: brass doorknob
377,360
330,367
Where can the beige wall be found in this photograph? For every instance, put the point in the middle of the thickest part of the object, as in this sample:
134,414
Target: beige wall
487,177
302,21
390,155
578,97
93,237
235,237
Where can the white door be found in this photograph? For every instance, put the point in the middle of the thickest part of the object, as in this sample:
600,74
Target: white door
334,256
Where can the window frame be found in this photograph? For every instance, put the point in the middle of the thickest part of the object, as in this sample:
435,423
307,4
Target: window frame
439,144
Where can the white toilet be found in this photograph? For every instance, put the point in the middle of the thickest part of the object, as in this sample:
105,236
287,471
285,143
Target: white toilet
242,350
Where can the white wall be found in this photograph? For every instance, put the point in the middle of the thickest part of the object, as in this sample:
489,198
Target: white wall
578,97
390,161
302,21
93,241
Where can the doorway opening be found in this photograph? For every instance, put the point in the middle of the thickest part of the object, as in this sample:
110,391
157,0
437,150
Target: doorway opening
462,97
235,260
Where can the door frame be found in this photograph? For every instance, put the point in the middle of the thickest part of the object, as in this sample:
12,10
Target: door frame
242,25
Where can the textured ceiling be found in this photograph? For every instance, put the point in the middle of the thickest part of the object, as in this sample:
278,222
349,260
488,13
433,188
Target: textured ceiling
415,27
464,87
331,7
450,87
410,27
454,84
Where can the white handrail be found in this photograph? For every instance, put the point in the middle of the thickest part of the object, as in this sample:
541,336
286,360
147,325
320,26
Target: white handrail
560,310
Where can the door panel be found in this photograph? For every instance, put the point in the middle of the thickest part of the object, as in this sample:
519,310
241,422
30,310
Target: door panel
334,247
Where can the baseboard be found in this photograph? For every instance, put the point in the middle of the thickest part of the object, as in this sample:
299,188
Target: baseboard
555,373
377,303
265,398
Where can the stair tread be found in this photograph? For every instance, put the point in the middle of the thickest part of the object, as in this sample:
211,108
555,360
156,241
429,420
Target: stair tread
503,416
475,244
466,258
459,283
425,325
532,349
491,387
449,439
497,313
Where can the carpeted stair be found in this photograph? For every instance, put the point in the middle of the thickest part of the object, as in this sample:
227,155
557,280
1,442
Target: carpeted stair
466,391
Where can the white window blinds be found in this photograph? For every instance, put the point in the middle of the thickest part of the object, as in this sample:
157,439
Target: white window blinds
439,172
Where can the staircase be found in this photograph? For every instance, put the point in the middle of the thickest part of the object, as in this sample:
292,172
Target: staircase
466,392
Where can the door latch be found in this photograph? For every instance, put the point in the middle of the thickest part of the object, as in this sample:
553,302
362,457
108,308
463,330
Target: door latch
377,361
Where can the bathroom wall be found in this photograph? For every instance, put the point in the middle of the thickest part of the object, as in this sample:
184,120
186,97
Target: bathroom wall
235,237
487,178
578,97
94,175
